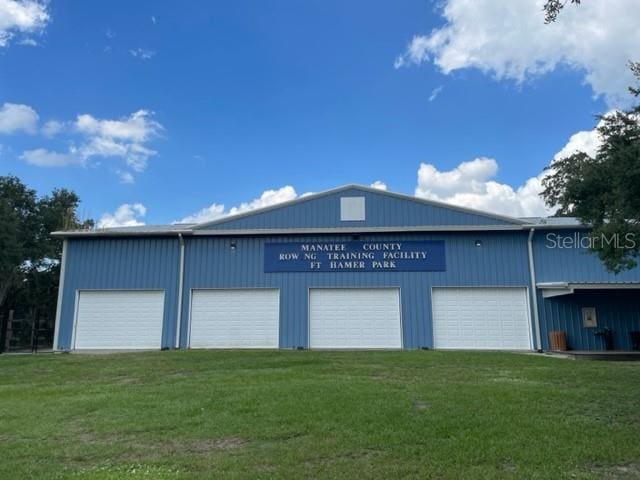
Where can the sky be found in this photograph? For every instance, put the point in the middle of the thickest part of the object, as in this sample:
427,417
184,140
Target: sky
161,112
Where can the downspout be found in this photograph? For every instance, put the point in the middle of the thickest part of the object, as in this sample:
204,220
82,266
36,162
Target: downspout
180,288
56,327
534,292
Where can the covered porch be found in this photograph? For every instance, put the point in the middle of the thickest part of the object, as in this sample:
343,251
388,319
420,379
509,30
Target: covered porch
594,317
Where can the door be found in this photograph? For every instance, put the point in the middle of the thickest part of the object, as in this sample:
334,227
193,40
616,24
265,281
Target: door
235,318
481,318
354,318
119,319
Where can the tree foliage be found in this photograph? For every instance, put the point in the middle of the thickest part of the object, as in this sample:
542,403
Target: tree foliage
604,191
29,258
552,9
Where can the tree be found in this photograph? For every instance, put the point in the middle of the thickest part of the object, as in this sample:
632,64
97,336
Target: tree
552,9
29,263
604,191
17,222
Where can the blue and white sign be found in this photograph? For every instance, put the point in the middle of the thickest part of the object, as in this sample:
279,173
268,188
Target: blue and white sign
426,256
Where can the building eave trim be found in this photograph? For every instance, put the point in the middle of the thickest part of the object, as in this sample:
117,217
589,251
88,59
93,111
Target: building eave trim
357,230
107,233
558,289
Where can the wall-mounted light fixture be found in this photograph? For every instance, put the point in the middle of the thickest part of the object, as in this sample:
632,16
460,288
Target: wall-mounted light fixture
478,243
232,246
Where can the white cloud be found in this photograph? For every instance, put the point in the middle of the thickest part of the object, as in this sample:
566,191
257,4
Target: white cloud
138,127
207,214
125,177
89,138
22,18
28,41
435,92
125,138
126,215
46,158
266,199
142,53
52,128
15,117
379,185
587,141
510,40
470,185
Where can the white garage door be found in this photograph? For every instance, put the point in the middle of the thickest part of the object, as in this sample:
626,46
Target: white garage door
354,318
481,318
238,318
115,319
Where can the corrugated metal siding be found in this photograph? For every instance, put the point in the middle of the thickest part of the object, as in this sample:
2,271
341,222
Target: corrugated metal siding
381,210
152,263
572,264
619,311
210,263
122,263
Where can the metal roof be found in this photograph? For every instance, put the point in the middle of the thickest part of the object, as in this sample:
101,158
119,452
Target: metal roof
364,188
558,289
203,228
135,230
553,221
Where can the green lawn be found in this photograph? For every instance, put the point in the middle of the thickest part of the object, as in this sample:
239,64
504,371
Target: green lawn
290,414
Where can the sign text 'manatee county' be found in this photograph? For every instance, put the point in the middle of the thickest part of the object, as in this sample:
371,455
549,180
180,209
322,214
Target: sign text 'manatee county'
397,256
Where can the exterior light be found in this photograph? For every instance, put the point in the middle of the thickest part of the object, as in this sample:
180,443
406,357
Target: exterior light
233,246
478,243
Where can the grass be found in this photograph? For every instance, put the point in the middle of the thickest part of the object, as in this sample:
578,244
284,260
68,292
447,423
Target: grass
288,414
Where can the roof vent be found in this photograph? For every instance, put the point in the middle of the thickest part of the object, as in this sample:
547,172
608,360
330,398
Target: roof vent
352,209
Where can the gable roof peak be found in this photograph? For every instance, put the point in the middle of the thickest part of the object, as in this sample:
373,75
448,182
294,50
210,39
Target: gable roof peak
366,189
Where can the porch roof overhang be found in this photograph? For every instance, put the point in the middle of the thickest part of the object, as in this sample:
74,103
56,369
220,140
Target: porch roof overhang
556,289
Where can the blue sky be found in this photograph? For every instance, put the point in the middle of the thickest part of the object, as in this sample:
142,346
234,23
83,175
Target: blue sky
238,98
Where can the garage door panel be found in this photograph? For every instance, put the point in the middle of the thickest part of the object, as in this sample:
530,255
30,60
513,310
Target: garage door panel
481,318
235,318
113,319
354,318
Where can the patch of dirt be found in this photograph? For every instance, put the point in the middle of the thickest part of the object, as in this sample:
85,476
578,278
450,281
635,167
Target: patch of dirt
515,381
5,438
623,471
140,448
197,446
87,437
126,380
208,444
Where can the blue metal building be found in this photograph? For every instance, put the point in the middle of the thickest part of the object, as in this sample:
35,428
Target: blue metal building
353,267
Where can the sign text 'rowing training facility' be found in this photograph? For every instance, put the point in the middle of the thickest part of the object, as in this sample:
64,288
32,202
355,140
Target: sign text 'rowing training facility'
425,256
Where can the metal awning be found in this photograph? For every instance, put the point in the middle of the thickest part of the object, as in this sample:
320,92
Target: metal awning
556,289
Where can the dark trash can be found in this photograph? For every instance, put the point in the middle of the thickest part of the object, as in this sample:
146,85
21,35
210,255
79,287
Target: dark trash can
607,337
635,339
